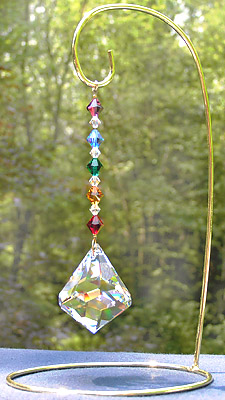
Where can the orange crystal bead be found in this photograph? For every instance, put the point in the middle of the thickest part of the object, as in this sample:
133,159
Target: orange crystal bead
94,194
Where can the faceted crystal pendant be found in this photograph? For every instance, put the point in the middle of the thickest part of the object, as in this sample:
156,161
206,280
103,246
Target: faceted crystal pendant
94,180
94,107
95,224
94,194
95,294
95,138
94,166
95,122
95,152
95,209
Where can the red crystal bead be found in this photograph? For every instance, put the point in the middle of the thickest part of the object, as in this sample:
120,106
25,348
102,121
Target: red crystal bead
94,224
94,107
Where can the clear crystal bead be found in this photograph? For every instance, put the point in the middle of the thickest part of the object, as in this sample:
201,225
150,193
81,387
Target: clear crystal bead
95,209
95,122
95,152
95,294
94,180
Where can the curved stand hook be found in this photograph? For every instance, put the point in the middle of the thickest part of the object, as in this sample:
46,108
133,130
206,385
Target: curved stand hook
107,80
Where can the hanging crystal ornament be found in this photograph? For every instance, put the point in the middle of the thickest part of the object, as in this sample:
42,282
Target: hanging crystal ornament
95,294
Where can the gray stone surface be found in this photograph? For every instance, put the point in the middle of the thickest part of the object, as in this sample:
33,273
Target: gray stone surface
106,378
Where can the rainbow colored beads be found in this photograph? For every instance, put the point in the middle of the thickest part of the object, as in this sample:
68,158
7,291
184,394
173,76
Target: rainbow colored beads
95,294
94,194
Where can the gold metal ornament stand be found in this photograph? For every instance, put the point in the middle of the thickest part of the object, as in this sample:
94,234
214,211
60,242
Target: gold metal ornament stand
194,368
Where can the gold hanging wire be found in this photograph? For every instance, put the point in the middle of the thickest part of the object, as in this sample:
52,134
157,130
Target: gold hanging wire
108,79
194,369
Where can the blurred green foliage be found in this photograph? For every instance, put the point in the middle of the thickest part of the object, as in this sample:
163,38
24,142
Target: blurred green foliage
154,177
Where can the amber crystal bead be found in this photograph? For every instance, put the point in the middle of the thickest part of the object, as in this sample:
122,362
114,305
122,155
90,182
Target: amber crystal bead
95,224
94,194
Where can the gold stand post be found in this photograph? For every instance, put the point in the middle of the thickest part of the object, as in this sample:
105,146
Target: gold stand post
194,369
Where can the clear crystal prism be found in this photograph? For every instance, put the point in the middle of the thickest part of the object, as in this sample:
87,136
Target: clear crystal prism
95,294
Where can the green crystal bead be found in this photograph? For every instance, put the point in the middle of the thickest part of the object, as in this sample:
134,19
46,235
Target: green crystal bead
94,166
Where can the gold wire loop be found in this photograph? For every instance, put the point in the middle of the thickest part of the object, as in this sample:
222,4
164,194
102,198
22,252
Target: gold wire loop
76,62
94,243
95,89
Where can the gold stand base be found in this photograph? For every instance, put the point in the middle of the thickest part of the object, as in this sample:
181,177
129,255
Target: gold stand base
140,392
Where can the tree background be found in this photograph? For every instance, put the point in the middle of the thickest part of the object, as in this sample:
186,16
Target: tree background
154,177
